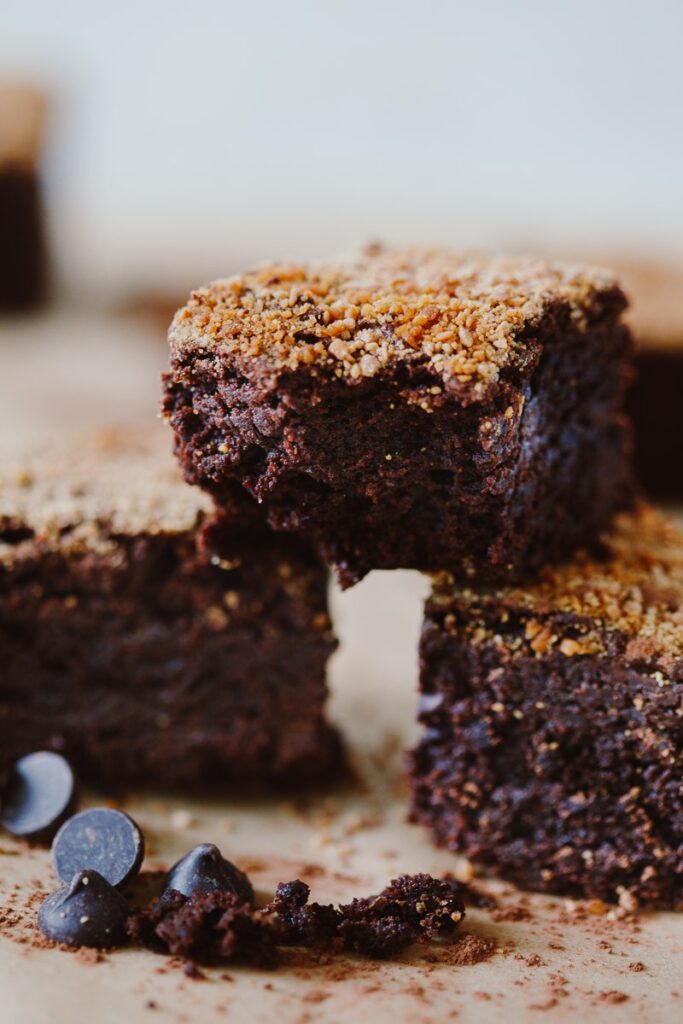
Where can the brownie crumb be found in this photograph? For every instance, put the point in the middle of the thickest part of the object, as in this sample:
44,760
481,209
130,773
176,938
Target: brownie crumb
300,923
206,928
409,908
214,928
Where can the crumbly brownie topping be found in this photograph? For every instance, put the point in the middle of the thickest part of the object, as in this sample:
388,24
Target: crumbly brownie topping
462,315
637,590
81,494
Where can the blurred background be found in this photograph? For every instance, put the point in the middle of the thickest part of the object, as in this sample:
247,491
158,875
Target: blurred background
185,140
177,142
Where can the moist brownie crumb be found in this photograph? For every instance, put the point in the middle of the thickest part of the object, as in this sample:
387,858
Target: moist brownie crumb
143,640
412,907
208,928
217,928
410,409
300,923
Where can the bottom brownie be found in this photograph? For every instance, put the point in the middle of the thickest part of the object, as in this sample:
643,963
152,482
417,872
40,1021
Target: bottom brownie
554,722
144,650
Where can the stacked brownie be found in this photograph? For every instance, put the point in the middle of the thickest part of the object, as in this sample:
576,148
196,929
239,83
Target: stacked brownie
463,416
144,639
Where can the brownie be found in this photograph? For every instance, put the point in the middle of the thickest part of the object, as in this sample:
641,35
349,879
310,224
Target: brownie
23,248
147,642
411,409
553,717
655,400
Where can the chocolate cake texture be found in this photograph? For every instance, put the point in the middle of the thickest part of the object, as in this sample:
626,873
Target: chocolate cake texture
413,409
553,714
146,643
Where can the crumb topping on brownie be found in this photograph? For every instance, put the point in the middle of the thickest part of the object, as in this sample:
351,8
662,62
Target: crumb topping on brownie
636,591
462,315
117,482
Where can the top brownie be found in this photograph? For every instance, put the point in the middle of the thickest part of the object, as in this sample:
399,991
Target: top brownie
413,409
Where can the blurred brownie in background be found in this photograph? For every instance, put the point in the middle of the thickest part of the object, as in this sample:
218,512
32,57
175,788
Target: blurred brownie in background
23,261
655,401
143,649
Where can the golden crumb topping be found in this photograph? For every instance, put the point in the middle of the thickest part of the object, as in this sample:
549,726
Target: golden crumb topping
462,315
637,591
76,493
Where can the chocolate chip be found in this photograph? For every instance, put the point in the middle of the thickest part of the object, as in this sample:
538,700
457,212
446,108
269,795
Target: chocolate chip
204,869
100,839
86,912
38,795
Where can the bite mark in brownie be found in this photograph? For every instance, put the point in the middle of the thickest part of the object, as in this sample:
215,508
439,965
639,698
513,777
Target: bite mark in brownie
145,642
410,409
553,714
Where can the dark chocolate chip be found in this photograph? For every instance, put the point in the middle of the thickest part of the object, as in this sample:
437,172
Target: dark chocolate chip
101,839
204,869
86,912
38,795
